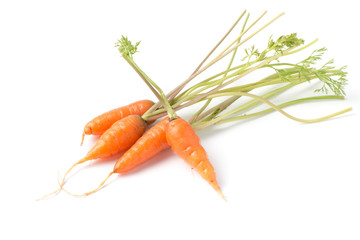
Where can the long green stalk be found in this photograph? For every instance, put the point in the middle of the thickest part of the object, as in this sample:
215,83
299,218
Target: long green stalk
213,121
199,126
247,105
240,68
127,50
232,99
214,87
175,91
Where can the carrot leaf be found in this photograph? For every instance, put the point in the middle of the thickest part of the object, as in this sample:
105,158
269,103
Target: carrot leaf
125,46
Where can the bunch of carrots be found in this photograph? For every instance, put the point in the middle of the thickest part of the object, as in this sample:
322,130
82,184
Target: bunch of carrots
124,128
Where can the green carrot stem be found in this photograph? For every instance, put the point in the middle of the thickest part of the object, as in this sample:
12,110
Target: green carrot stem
213,121
227,103
242,66
222,39
301,100
226,51
196,115
143,76
235,51
248,71
216,110
175,91
223,53
160,112
153,87
247,105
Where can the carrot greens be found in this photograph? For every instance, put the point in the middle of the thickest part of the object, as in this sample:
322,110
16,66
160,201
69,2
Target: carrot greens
252,59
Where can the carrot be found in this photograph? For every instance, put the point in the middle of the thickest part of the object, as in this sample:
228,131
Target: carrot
179,134
101,123
119,137
147,146
186,144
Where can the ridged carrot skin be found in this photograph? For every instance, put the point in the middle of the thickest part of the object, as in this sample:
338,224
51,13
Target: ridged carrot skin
119,137
150,144
186,144
101,123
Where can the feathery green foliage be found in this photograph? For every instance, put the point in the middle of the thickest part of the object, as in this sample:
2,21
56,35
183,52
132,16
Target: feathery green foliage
333,79
125,46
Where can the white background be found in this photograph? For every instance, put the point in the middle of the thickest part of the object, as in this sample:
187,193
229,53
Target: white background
59,69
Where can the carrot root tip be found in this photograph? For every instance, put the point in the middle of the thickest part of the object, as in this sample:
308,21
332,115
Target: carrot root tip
49,194
221,195
82,139
87,131
52,193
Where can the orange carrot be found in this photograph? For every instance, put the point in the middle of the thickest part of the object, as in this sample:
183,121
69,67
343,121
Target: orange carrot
101,123
186,144
150,144
119,137
183,140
